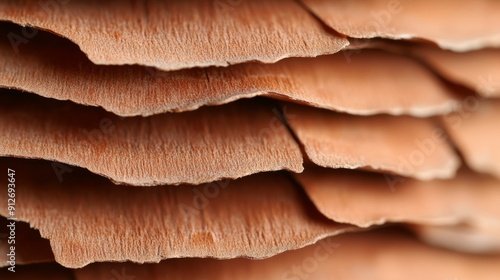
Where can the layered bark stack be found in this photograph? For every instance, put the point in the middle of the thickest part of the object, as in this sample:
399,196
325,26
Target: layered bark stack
309,139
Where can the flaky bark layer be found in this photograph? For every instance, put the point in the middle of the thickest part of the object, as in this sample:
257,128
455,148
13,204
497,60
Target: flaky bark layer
88,219
177,34
375,255
366,83
439,21
367,199
402,145
205,145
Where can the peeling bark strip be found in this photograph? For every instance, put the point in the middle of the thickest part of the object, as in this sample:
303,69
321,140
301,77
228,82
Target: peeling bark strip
179,34
400,145
478,70
364,199
373,82
439,21
475,132
196,147
378,255
88,219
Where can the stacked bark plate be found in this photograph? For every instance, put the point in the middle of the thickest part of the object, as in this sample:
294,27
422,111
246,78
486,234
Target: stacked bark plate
237,139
